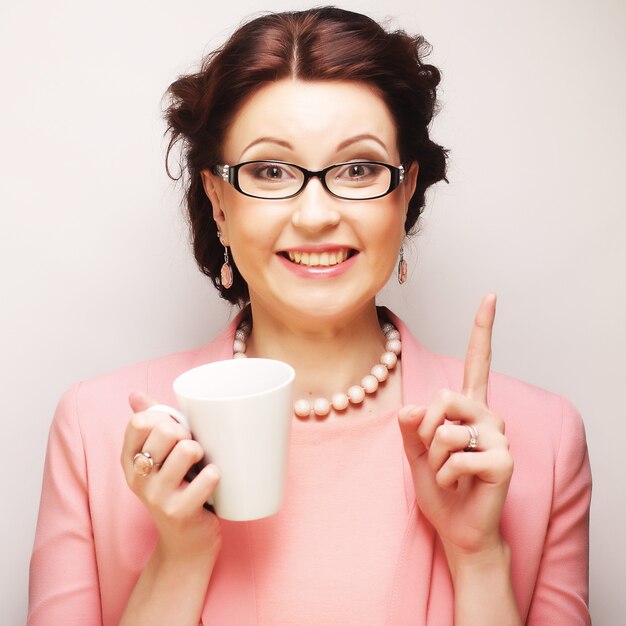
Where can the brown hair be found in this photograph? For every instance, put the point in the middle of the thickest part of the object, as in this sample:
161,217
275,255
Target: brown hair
324,43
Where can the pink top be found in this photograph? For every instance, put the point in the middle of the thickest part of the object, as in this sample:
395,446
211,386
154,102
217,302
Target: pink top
349,545
329,556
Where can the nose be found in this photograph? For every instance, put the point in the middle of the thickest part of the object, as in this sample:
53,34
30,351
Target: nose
315,210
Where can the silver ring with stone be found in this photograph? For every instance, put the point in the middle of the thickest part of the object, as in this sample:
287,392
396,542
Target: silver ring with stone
143,464
473,437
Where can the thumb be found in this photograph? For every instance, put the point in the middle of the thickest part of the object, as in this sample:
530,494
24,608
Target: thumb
140,401
409,419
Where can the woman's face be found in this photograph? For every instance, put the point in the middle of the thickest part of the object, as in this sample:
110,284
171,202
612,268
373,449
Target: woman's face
313,255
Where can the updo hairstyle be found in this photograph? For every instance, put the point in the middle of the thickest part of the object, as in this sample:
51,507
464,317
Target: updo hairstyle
318,44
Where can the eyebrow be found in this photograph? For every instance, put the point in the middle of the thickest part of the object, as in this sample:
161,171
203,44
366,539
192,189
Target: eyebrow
356,138
280,142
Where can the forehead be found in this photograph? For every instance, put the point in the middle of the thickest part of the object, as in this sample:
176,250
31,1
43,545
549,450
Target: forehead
312,119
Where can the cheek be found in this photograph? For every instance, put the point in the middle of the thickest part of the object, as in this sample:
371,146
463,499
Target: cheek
252,234
240,219
387,226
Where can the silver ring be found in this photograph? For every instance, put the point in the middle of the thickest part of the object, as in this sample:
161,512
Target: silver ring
473,437
143,463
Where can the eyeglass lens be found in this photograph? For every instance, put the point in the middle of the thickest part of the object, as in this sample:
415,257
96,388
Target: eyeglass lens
349,180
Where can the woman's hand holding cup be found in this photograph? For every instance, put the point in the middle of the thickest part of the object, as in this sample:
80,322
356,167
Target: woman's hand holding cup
168,453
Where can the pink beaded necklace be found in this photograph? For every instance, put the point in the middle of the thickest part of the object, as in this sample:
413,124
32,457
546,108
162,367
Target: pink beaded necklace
356,394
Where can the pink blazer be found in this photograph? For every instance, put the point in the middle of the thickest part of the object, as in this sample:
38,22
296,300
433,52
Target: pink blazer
94,536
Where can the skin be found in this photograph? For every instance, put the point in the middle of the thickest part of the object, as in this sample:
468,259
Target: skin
315,119
301,320
173,584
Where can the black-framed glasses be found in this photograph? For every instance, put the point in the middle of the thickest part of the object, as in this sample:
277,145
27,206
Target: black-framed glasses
277,180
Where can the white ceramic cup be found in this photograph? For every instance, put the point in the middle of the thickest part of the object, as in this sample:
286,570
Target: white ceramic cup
240,411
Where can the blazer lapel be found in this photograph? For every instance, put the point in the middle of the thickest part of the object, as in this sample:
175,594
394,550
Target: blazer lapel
420,560
231,594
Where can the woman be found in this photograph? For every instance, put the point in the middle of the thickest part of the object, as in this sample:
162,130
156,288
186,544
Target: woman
308,156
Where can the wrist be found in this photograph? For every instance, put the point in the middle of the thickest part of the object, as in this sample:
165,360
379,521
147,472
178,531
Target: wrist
172,559
495,557
483,587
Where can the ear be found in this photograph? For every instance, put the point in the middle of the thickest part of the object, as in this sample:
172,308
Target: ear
214,189
410,180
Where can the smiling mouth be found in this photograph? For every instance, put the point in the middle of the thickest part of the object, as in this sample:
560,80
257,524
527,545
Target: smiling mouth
319,259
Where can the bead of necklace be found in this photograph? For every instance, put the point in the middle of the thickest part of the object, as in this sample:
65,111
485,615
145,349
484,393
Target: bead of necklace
321,407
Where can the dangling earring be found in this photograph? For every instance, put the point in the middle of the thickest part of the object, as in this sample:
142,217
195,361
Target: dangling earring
226,273
402,267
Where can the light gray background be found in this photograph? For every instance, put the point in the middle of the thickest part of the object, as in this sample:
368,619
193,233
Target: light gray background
96,271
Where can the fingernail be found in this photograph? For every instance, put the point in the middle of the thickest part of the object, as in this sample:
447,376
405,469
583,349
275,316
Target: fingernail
213,472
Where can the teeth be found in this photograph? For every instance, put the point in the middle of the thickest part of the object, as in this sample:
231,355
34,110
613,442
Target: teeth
313,259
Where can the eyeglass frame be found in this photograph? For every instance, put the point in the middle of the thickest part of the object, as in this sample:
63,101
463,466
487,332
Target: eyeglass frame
230,174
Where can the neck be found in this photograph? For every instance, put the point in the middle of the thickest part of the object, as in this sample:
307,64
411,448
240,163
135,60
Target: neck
328,356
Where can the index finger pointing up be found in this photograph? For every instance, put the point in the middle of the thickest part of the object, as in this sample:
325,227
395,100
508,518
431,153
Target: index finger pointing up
478,357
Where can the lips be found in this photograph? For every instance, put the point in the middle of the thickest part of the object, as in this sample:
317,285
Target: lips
325,258
318,261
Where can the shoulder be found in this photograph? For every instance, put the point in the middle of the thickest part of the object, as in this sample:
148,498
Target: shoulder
535,418
94,403
529,411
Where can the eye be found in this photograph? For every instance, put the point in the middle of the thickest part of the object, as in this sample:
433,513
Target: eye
271,172
357,173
